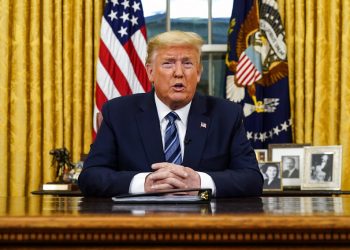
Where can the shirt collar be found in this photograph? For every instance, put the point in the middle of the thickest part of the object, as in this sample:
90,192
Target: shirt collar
163,110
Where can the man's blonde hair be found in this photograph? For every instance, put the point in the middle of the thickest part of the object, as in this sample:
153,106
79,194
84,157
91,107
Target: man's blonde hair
173,38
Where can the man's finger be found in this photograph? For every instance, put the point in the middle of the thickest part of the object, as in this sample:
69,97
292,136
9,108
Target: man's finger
174,168
179,171
174,182
160,175
160,165
164,186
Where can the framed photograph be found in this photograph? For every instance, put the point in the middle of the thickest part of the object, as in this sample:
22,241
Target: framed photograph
272,147
261,155
291,156
271,172
323,165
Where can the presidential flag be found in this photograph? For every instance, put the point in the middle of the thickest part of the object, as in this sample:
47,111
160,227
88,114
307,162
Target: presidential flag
123,48
257,71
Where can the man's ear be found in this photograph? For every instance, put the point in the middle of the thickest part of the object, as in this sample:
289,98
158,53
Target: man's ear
149,70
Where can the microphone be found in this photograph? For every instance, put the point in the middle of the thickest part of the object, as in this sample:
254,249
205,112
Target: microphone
187,141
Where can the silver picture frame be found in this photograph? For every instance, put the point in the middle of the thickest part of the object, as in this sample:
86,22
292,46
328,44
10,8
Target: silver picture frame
271,172
322,168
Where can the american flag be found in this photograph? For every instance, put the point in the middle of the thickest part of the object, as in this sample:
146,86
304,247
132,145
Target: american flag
123,48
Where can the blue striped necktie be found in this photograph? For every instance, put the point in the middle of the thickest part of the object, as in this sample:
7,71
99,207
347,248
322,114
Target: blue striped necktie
172,148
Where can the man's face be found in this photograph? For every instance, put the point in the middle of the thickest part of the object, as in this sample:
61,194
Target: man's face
175,73
288,164
324,158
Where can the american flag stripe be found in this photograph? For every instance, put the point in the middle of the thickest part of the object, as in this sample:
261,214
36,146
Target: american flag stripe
123,48
137,64
243,60
257,76
250,72
249,79
105,81
121,58
113,70
242,64
138,39
100,97
245,72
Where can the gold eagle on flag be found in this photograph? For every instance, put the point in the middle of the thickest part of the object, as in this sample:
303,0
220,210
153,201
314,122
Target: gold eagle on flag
261,51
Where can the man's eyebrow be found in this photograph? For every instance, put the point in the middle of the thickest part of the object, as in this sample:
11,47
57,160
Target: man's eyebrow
183,59
169,58
187,58
174,57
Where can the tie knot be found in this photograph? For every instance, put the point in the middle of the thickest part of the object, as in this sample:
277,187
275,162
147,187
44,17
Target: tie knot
172,116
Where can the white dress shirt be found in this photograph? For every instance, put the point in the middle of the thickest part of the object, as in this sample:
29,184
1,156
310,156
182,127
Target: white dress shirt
138,181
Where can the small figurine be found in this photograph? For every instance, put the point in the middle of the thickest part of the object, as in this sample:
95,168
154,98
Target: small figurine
61,160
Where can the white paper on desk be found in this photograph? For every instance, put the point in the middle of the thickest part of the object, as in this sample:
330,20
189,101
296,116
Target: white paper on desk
159,199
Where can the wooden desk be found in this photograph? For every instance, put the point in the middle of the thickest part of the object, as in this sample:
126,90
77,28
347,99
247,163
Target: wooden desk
54,222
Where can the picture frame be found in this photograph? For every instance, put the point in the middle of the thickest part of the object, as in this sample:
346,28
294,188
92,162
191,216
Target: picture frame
271,172
261,155
322,168
273,146
291,156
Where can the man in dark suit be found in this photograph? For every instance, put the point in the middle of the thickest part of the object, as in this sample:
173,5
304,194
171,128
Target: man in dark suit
213,152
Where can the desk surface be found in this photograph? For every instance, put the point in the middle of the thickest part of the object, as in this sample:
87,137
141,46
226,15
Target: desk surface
282,221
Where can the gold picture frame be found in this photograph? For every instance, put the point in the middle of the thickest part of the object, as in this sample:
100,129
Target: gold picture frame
261,155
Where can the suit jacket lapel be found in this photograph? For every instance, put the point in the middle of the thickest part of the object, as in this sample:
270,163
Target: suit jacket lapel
149,129
196,133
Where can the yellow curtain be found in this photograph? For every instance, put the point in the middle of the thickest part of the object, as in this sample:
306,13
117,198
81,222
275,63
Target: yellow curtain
318,40
48,51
